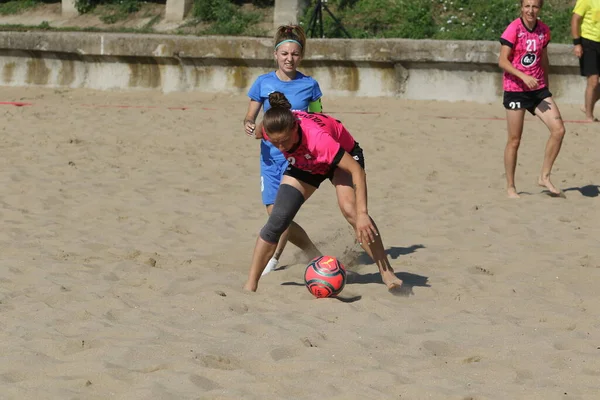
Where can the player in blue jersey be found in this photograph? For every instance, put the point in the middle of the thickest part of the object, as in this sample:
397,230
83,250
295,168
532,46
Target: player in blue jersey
304,94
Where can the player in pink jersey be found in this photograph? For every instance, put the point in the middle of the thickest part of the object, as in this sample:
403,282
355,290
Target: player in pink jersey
524,59
318,147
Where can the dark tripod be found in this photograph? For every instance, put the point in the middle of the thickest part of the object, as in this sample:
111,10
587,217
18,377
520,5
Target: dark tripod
317,18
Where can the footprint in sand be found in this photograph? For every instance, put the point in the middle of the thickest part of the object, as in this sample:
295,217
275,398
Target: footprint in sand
219,362
437,348
480,270
283,353
240,308
204,383
471,360
523,375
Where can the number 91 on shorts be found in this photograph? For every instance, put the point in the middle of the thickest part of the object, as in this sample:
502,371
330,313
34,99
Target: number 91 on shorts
525,100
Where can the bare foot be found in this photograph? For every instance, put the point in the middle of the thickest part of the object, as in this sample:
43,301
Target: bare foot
512,193
589,118
545,182
391,280
251,287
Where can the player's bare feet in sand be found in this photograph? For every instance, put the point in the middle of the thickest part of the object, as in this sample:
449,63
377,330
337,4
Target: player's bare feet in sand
588,118
250,287
545,182
512,193
391,280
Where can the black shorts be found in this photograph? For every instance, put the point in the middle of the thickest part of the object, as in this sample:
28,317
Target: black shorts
589,63
316,180
525,100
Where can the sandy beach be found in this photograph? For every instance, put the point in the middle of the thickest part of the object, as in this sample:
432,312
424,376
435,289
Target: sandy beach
129,221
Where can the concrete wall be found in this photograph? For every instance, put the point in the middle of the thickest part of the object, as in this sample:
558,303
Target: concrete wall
424,69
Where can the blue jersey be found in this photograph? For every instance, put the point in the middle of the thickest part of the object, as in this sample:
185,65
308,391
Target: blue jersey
300,91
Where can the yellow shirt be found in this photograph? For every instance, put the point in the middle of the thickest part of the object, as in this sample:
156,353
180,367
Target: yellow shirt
590,11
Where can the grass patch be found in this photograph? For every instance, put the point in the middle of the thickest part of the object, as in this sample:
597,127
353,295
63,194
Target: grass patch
112,11
223,17
17,6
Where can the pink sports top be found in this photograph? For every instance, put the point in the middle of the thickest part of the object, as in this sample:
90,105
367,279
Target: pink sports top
323,142
527,49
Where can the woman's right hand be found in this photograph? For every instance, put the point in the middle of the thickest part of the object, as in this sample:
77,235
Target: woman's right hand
530,81
249,127
578,51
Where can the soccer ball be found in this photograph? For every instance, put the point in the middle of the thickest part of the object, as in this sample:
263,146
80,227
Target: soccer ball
325,276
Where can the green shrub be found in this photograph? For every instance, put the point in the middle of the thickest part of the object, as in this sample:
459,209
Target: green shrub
17,6
435,19
85,6
116,10
119,6
224,17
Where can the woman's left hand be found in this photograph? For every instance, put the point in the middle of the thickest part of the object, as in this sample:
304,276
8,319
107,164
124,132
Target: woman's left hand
365,230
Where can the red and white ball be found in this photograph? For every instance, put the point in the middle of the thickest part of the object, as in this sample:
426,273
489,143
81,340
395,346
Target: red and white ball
325,276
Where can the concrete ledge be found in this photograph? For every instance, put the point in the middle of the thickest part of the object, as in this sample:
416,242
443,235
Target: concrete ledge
414,69
372,50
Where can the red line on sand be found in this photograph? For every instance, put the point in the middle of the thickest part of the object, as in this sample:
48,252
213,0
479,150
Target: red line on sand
575,121
15,103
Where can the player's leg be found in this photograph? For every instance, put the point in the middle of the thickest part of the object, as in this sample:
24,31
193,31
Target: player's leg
347,203
549,113
270,180
515,120
298,236
589,65
291,195
591,97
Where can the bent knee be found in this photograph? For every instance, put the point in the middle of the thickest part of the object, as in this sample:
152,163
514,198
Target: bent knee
559,132
288,202
514,142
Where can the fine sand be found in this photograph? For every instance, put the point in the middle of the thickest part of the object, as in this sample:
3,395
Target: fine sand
128,232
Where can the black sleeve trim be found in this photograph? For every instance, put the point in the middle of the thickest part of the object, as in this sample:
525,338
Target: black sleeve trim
338,156
506,43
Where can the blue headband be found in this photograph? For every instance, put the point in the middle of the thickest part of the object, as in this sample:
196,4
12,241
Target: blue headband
288,41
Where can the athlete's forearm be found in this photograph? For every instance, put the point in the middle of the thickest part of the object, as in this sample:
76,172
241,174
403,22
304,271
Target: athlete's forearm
258,130
508,67
359,179
576,26
252,113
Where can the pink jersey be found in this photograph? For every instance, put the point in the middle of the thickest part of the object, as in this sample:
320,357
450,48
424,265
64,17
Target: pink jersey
322,139
526,56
